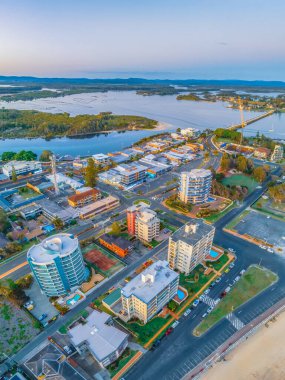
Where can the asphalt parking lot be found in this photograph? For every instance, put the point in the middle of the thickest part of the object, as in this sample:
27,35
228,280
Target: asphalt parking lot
263,227
41,303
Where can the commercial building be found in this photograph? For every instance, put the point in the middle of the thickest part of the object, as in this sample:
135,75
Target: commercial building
277,154
147,225
146,294
95,208
101,159
189,245
31,211
131,173
22,168
57,264
62,180
99,337
195,186
84,197
116,244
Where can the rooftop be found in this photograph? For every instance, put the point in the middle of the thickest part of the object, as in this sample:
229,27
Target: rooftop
132,168
198,173
55,246
116,240
97,204
192,232
145,215
150,282
100,156
102,338
83,195
20,164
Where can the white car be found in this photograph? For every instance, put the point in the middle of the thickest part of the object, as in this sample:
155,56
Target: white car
262,246
204,315
231,249
176,323
187,312
237,278
270,250
207,291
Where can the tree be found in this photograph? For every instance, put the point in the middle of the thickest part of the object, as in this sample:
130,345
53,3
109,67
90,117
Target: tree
241,164
8,156
90,174
45,156
172,305
4,223
14,174
115,229
206,155
259,174
178,130
58,223
225,162
25,155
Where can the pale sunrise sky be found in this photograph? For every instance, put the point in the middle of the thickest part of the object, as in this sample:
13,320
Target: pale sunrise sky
207,39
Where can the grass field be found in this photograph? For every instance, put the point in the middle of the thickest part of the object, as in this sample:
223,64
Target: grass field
251,283
194,281
236,220
241,180
213,218
146,201
145,332
218,264
269,207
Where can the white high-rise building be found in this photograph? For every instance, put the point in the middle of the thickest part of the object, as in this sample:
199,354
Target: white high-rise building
147,225
195,186
277,154
189,245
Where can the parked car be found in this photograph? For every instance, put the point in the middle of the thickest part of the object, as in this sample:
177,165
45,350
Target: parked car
223,294
231,265
218,280
242,272
227,270
231,250
204,315
187,312
207,291
169,331
209,309
237,278
155,344
262,246
227,289
270,250
42,317
195,303
176,323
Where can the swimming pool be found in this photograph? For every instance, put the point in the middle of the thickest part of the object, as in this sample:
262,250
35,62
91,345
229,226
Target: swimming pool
180,294
73,300
214,254
48,228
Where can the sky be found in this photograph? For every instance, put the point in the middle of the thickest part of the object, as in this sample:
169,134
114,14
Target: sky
202,39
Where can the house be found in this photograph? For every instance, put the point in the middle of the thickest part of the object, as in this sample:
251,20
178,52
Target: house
82,198
116,244
99,337
261,153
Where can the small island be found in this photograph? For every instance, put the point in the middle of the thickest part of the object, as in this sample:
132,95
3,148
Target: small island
32,124
193,97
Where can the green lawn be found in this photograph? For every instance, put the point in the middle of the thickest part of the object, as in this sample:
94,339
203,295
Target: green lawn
251,283
116,366
269,207
145,332
235,221
241,179
146,201
63,329
213,218
218,264
195,280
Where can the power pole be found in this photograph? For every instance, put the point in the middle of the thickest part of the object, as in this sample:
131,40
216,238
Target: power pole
53,170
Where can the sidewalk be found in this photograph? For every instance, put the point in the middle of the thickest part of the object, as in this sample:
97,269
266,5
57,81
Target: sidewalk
130,363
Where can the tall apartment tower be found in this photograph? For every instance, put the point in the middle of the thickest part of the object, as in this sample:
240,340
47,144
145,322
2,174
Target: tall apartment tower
147,225
189,245
195,186
277,154
131,219
57,264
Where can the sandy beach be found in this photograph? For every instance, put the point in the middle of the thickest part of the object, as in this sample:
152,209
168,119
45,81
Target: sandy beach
261,357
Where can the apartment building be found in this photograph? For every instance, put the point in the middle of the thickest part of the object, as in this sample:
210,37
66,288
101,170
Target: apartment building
21,168
116,244
147,225
146,294
190,132
195,186
189,245
131,173
132,214
277,154
82,198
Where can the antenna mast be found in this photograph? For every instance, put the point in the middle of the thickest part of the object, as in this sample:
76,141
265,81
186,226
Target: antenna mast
53,170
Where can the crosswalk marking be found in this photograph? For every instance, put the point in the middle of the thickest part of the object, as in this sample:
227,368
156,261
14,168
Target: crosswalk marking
208,300
237,323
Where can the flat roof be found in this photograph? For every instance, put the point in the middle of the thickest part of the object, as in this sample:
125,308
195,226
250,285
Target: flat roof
58,245
99,156
97,204
198,173
130,168
192,232
150,282
103,339
116,240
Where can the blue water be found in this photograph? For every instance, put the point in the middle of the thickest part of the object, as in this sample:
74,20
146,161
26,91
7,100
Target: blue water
180,294
166,109
214,254
48,228
75,298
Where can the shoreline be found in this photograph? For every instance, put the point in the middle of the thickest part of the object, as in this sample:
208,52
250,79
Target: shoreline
249,362
161,126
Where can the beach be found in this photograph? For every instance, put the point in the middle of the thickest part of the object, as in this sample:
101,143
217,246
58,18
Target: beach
260,357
